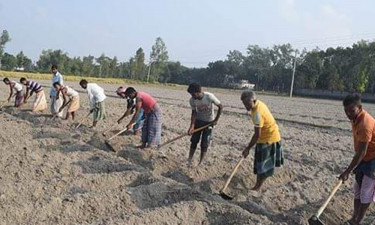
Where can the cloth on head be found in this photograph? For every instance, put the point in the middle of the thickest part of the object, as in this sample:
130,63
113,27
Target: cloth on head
99,111
267,157
151,131
120,90
40,102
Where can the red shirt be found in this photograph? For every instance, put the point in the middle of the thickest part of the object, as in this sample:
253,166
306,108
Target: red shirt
364,131
148,102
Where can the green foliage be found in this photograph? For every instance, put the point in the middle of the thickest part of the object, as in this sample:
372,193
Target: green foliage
8,62
338,69
158,59
4,38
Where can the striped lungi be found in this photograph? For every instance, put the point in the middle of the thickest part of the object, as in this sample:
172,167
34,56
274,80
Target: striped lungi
99,111
40,102
267,157
151,131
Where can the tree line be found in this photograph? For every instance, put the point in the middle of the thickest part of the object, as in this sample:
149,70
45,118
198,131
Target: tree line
349,69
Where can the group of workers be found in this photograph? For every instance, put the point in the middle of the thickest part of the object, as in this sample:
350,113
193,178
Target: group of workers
147,122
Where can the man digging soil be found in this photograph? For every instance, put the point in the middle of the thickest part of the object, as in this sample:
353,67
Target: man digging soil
363,162
202,114
266,138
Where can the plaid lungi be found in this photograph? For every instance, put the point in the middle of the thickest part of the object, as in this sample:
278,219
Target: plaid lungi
151,130
99,111
267,157
19,99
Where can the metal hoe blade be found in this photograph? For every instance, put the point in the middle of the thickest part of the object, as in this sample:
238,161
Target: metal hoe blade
315,221
225,196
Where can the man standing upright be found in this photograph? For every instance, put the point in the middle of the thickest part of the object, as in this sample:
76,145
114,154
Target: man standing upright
56,98
202,114
266,138
363,162
96,98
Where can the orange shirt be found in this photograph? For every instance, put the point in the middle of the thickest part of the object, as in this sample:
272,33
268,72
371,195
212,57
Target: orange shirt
364,131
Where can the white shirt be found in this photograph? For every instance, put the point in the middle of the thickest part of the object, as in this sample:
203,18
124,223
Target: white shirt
95,93
17,87
56,78
71,92
204,107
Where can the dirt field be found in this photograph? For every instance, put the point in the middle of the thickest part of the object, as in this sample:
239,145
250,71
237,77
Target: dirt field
52,174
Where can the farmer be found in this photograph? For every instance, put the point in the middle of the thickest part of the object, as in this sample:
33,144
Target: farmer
266,138
15,87
151,130
96,98
363,162
72,95
202,105
56,101
40,102
130,110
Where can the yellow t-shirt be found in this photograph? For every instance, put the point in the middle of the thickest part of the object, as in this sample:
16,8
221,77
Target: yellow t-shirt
262,117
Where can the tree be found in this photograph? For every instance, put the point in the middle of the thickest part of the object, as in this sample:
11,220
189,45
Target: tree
158,59
53,57
4,38
23,61
8,62
139,60
88,65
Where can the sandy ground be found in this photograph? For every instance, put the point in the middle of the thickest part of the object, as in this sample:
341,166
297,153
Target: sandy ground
53,174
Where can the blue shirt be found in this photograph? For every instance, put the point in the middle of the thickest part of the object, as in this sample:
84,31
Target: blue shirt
56,78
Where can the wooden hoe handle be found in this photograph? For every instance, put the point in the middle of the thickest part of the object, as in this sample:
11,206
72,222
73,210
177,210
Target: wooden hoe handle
234,172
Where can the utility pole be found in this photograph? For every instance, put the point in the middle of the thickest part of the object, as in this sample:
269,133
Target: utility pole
294,71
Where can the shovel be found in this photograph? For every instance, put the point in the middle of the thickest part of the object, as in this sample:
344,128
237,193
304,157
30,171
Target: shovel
314,220
83,120
109,129
222,191
183,135
117,134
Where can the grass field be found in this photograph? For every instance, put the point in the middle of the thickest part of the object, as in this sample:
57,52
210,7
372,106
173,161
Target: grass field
47,76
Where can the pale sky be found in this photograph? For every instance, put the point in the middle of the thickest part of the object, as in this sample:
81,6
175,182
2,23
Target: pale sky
195,31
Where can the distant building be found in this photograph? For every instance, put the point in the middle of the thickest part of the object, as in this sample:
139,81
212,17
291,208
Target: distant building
231,82
244,84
